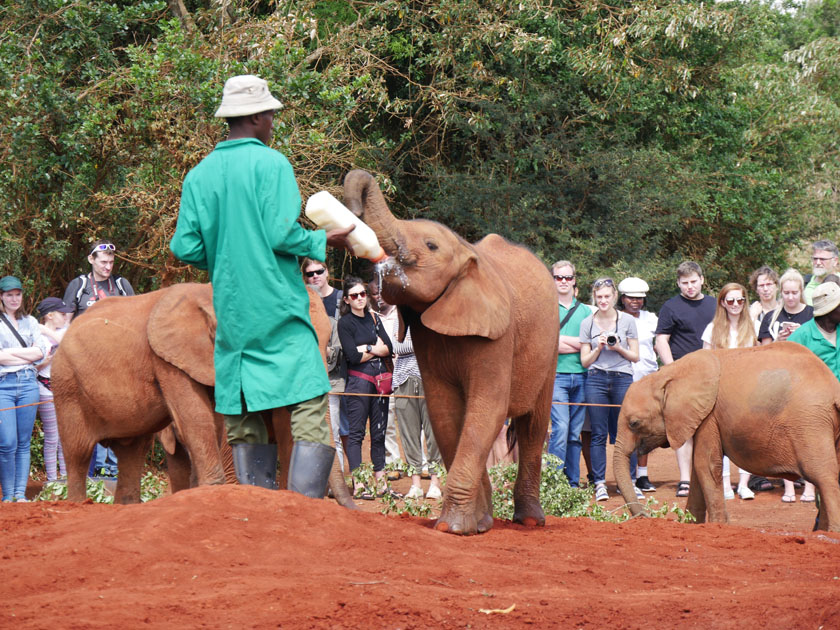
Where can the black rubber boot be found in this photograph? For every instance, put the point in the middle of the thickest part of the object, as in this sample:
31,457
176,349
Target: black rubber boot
309,468
256,464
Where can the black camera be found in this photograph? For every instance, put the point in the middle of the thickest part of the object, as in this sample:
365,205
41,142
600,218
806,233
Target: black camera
612,339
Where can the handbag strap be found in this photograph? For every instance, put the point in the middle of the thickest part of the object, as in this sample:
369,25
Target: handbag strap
362,375
14,330
568,315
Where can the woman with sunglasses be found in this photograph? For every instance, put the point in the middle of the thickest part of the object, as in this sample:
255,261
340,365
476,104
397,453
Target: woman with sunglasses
22,347
365,344
609,346
731,327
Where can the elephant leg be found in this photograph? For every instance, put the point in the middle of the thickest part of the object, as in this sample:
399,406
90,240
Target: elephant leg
191,410
531,430
819,466
131,454
179,468
282,421
707,473
467,505
77,444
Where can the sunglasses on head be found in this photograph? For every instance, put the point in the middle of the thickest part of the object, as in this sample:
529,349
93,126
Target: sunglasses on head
566,278
356,296
603,282
317,272
104,247
732,301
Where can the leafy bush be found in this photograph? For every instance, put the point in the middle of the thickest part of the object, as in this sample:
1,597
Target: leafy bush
152,486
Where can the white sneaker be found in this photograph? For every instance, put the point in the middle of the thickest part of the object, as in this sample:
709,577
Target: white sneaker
727,492
434,493
745,493
601,493
416,492
639,494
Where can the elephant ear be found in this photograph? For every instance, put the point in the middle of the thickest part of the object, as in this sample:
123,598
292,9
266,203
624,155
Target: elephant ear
182,330
689,394
477,302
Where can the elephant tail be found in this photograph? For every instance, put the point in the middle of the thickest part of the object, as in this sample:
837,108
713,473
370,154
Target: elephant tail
510,436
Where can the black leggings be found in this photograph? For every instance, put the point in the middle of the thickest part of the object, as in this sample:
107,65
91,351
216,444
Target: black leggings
359,409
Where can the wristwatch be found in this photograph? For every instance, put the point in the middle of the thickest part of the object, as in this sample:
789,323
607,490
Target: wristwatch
369,348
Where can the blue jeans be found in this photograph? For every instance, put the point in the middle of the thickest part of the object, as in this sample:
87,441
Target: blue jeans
566,423
16,388
103,457
605,388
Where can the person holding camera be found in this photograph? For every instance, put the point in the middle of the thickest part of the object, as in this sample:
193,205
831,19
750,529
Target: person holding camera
609,346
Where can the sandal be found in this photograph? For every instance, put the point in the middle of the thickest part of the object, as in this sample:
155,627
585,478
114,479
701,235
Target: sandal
364,494
759,484
387,492
788,498
682,489
807,498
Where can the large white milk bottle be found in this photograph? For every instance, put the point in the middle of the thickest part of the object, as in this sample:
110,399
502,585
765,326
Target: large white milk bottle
329,213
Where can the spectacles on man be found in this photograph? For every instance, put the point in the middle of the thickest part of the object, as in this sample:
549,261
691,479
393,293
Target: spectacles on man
104,247
732,301
357,296
566,278
312,274
822,258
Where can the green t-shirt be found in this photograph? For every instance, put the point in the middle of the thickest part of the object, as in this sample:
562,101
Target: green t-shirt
808,335
570,363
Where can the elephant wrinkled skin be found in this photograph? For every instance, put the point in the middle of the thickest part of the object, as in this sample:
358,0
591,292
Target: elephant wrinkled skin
773,410
134,366
484,325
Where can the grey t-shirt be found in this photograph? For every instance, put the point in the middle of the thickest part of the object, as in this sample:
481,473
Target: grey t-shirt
610,360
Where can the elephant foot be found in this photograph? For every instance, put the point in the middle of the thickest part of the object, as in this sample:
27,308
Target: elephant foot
463,522
529,513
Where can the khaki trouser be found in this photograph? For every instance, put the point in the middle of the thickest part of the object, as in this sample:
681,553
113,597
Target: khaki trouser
309,424
414,418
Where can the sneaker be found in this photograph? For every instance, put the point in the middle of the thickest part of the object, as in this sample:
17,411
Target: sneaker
416,493
727,492
434,493
601,493
745,493
639,494
644,484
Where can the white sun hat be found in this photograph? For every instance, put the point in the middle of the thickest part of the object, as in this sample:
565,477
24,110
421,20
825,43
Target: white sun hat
246,94
633,287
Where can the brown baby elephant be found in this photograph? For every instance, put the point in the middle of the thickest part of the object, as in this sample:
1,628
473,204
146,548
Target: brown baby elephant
773,410
129,367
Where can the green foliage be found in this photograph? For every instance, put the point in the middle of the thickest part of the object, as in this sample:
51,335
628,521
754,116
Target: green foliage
623,136
36,450
152,486
558,498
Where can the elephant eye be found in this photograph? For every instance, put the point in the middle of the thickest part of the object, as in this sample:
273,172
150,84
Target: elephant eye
432,246
634,424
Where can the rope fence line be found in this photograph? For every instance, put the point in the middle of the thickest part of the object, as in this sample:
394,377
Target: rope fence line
568,404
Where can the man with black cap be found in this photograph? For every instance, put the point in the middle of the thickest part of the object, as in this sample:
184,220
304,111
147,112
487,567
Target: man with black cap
239,221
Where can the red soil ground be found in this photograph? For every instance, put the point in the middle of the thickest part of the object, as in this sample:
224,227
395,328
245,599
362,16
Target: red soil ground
243,557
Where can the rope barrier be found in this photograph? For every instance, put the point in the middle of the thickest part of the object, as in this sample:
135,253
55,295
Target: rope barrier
568,404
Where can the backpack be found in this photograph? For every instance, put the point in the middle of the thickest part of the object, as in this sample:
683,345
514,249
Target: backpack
83,286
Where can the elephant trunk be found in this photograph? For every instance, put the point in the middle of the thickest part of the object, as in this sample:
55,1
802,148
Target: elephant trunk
625,444
363,197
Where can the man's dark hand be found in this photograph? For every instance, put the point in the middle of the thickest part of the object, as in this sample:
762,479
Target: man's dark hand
338,238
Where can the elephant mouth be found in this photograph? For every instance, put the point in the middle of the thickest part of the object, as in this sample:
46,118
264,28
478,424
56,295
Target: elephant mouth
392,279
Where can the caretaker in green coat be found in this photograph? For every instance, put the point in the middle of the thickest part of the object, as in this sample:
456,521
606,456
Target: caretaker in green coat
239,221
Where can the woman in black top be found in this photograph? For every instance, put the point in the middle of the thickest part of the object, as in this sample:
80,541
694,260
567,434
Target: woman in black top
365,344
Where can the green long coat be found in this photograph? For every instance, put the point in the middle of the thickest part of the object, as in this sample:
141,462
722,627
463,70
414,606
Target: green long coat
238,220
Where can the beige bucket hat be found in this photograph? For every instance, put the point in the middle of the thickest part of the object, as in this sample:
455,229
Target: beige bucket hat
826,298
244,95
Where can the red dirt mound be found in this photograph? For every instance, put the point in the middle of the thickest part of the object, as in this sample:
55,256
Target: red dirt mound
243,557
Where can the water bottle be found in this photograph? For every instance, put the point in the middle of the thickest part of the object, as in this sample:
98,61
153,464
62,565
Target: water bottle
329,213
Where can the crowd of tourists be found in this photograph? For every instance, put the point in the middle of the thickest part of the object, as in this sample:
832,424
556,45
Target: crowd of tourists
608,344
